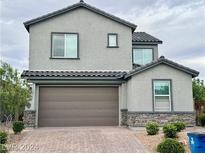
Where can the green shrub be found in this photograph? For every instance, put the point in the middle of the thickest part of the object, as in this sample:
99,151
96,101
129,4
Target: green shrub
3,148
170,130
179,125
170,146
152,128
202,119
3,137
18,126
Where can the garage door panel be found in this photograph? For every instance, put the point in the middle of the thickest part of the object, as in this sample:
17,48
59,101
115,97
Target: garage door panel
78,106
77,97
78,122
81,113
78,94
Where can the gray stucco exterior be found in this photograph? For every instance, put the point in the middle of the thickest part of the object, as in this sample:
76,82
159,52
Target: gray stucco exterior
93,52
137,104
139,89
135,96
99,65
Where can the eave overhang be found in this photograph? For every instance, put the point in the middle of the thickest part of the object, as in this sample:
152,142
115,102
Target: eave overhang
160,61
27,24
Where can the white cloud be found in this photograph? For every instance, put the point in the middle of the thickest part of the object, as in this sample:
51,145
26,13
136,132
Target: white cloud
181,27
197,63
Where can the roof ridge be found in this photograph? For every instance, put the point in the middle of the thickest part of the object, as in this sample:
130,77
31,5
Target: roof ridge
143,37
59,10
151,35
74,6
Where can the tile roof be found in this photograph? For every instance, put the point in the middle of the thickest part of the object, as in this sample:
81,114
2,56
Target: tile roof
78,5
105,74
162,60
142,37
74,74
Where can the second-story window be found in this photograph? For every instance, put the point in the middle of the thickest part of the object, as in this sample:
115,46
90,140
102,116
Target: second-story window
112,40
65,45
142,56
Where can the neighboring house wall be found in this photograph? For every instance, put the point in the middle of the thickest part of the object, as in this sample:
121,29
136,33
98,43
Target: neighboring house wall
140,92
153,47
93,51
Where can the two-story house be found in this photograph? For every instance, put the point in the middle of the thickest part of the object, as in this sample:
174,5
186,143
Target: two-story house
90,68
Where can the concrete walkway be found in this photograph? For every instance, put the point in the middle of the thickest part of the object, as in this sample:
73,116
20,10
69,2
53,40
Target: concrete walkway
80,139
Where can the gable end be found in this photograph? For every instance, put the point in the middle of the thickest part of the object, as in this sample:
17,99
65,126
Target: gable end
75,6
162,60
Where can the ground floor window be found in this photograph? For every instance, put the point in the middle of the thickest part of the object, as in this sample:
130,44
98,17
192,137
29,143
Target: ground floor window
162,95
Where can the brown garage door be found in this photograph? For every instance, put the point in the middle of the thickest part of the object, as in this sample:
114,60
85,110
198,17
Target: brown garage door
78,106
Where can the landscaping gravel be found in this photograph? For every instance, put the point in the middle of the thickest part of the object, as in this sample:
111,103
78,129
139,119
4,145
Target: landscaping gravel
151,141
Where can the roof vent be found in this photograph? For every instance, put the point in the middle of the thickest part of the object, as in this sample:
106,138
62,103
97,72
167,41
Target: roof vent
81,1
161,57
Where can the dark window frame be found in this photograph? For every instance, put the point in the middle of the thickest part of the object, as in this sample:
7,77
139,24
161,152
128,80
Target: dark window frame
51,46
141,48
171,96
108,46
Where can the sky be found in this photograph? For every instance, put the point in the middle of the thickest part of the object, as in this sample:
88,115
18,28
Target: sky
180,24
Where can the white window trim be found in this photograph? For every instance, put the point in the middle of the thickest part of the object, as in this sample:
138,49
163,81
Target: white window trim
170,103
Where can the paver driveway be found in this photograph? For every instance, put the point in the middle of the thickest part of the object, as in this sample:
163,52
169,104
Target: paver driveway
81,139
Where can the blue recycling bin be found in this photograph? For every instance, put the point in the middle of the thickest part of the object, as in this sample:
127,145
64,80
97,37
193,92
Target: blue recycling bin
197,142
